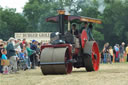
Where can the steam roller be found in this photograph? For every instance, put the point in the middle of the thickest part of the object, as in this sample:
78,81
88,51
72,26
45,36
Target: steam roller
67,50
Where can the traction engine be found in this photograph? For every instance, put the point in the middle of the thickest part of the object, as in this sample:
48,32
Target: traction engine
65,51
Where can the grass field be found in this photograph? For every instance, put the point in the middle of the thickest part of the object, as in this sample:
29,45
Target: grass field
108,74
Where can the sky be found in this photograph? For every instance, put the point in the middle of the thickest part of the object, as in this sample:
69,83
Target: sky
18,4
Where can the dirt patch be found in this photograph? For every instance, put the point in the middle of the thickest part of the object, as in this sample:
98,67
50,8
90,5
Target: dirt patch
109,74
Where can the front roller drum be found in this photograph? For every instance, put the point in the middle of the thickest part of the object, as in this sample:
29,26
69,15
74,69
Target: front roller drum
91,61
55,61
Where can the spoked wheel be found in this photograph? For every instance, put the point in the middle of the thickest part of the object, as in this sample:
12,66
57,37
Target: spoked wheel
55,61
91,58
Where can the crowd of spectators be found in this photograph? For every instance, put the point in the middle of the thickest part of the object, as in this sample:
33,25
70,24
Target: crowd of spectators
117,53
22,55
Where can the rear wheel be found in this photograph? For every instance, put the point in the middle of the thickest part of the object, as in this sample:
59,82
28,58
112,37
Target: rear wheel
91,58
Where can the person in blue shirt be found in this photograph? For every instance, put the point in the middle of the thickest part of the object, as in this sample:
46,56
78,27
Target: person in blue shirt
33,56
4,57
21,55
1,67
89,32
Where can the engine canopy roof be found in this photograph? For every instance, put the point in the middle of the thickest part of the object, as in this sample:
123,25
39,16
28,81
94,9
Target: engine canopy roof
74,19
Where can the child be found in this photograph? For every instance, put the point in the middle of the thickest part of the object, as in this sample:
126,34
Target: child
1,67
21,55
22,61
4,57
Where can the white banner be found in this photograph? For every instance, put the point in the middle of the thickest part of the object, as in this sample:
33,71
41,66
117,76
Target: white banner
39,36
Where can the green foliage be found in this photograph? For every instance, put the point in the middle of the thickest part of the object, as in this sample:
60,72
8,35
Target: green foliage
11,22
115,21
114,18
90,9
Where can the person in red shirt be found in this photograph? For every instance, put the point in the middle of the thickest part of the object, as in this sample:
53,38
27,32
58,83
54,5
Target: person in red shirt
23,43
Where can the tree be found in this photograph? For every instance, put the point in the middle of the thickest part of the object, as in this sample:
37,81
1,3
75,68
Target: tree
11,22
114,22
90,9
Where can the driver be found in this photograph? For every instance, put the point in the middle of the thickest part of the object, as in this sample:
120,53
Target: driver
74,31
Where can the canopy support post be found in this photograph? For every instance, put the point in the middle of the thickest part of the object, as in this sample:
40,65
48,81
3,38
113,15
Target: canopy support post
68,25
